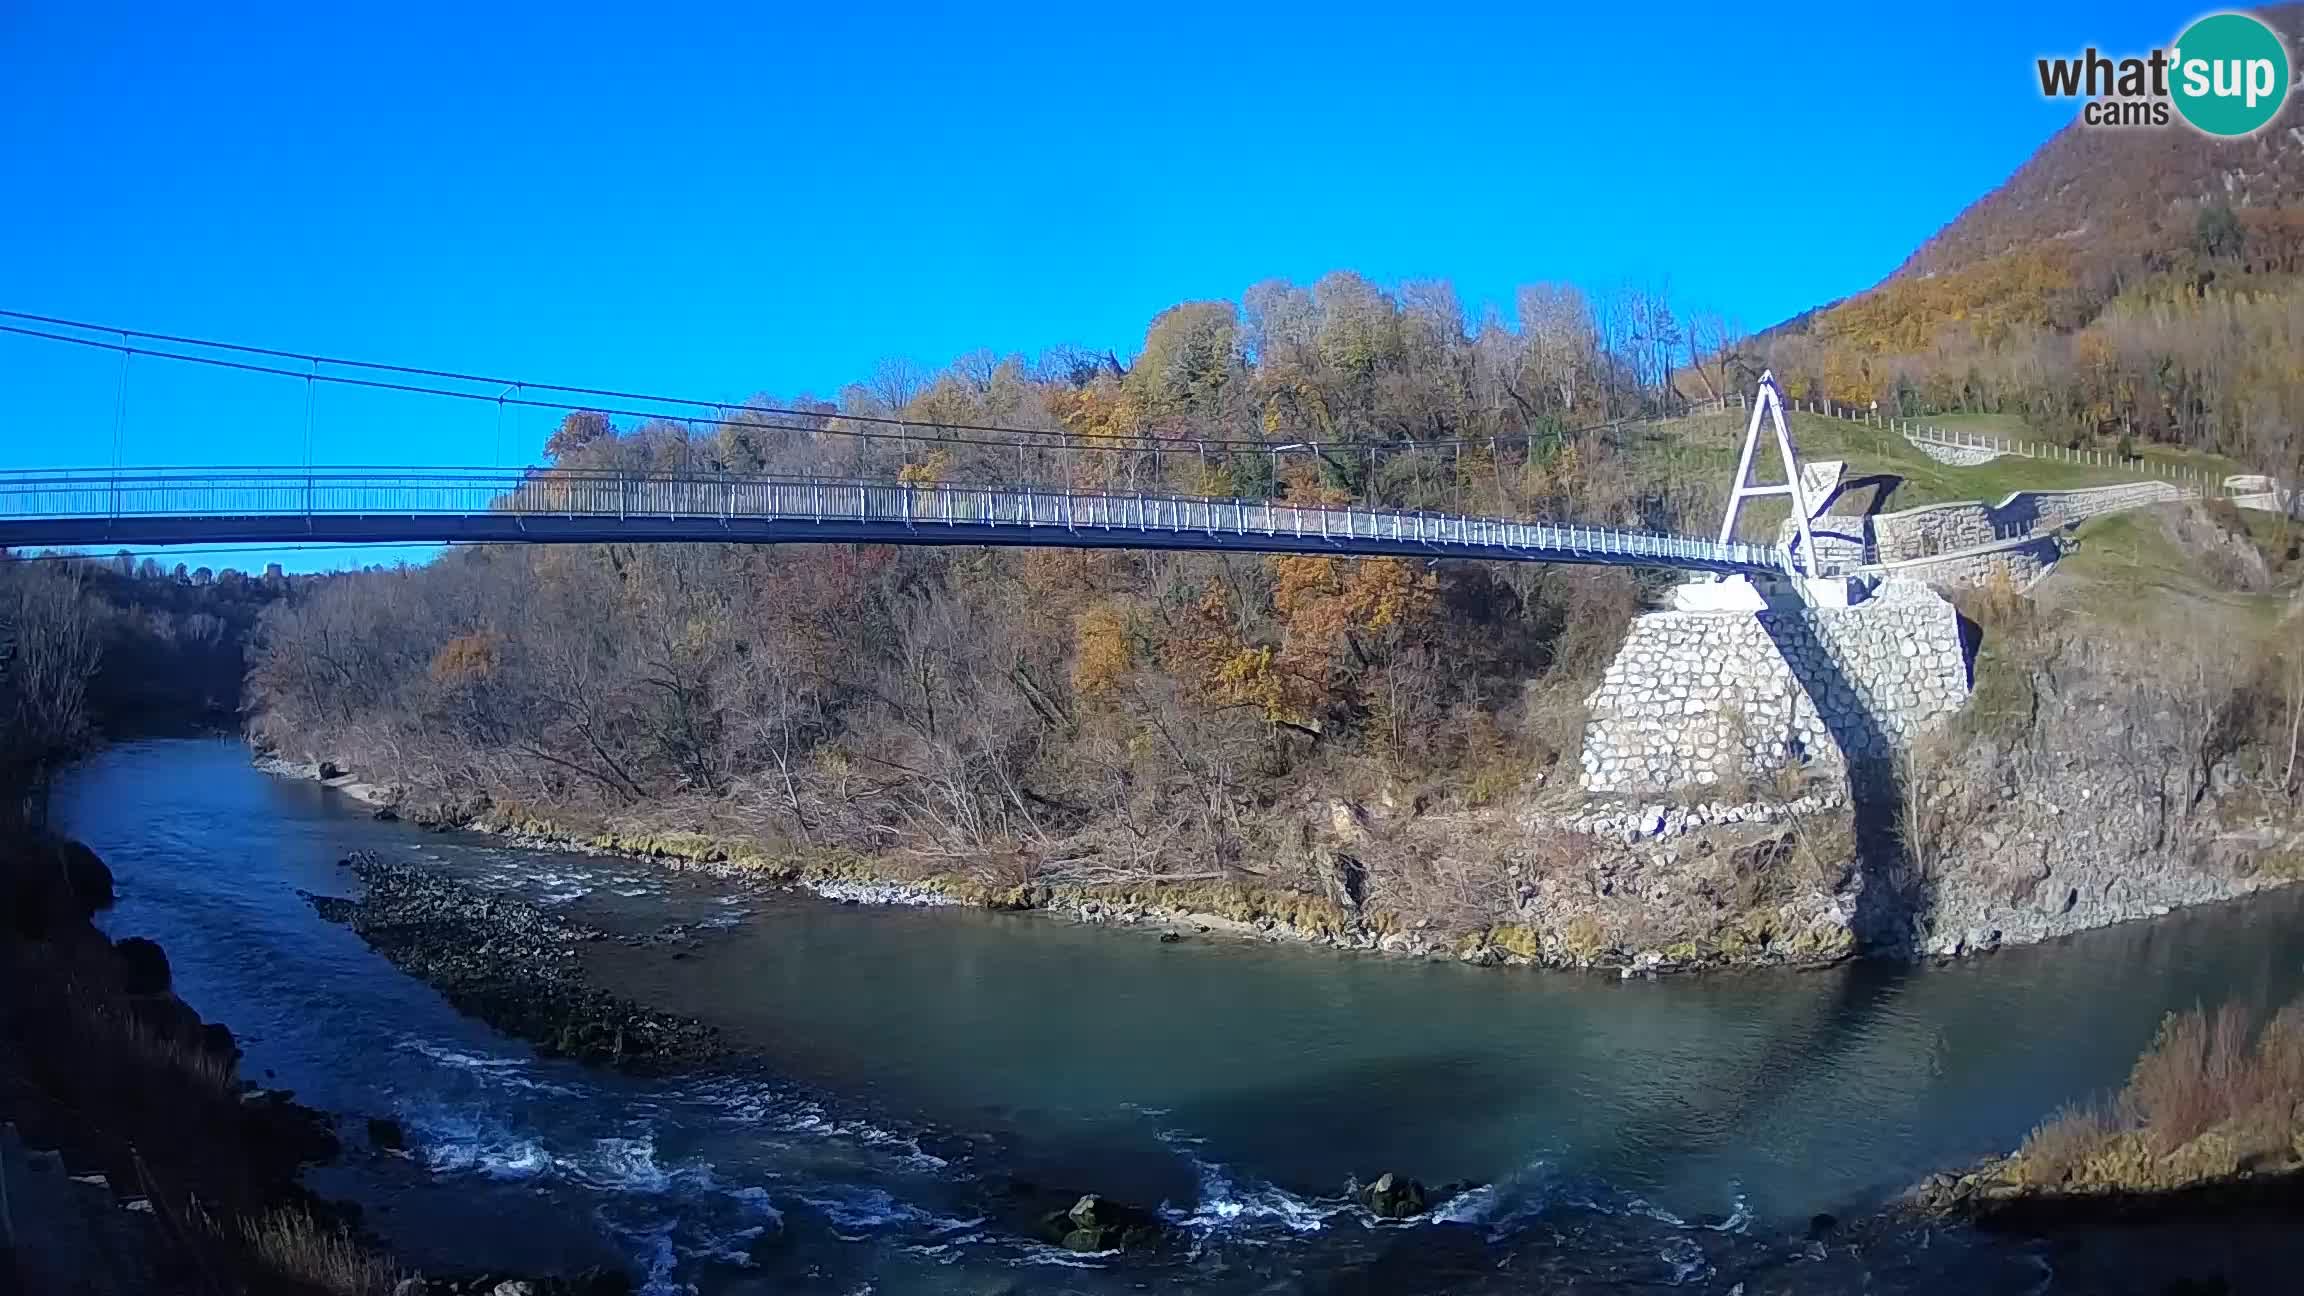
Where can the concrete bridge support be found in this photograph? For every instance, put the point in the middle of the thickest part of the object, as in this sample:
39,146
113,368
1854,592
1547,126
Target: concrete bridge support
1702,699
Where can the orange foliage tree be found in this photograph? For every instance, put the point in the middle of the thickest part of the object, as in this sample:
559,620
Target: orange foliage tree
1101,653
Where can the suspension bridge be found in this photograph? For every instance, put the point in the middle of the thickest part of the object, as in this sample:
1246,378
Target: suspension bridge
130,508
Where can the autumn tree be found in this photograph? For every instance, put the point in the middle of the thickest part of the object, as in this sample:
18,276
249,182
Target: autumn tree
578,430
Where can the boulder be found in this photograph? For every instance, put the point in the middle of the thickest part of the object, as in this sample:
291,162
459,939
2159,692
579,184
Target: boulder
385,1134
216,1038
143,967
86,874
1394,1196
1096,1224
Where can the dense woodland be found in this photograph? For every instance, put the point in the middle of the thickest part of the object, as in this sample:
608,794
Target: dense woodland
113,648
2197,344
1123,711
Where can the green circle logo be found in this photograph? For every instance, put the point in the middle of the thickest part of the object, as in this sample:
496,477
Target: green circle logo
2228,74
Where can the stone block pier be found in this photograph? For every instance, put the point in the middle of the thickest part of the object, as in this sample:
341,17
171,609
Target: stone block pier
1700,699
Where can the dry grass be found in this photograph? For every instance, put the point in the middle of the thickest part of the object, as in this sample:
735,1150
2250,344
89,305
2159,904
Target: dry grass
1584,937
205,1069
2215,1095
2057,1149
294,1245
1997,605
2016,638
104,1030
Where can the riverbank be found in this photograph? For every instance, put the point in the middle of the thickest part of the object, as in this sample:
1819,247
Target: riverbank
138,1159
2115,758
1770,887
2207,1137
137,1131
1634,889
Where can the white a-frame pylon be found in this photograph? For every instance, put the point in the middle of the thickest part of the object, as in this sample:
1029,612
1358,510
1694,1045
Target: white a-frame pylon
1770,402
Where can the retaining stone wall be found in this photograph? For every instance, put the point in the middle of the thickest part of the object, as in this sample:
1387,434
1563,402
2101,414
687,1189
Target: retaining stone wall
2024,563
1839,538
1697,698
1943,528
2269,501
1957,456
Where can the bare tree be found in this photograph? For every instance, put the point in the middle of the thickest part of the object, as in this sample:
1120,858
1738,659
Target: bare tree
49,650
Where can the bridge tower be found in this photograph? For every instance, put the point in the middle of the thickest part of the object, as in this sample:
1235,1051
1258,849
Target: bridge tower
1769,403
1801,583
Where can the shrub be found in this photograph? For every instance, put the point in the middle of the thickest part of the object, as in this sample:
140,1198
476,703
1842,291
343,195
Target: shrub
2057,1150
1517,940
2197,1073
2212,1097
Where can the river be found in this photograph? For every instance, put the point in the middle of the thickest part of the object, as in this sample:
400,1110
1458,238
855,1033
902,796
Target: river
915,1065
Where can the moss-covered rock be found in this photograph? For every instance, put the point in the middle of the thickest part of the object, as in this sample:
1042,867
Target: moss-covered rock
1583,938
1521,942
1095,1223
1394,1196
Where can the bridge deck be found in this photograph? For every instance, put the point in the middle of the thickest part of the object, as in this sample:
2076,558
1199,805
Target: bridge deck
161,507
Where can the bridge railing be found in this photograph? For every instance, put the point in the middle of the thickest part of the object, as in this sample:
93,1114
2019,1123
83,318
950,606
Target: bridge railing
297,493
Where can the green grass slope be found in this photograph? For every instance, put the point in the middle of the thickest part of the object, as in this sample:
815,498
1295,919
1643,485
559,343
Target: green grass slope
1707,445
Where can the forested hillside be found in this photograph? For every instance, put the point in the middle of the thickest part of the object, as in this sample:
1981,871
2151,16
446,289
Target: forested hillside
2123,195
93,649
2125,285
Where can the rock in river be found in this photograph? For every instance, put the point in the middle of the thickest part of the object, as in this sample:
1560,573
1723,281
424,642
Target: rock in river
511,964
1394,1196
385,1134
1095,1224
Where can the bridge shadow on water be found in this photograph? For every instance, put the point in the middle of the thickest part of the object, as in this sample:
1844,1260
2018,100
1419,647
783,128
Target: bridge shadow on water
1575,1219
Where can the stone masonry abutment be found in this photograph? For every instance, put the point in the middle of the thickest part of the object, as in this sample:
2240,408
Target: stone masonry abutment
1698,699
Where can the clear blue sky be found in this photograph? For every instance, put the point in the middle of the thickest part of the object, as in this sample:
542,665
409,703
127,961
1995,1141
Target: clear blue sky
739,198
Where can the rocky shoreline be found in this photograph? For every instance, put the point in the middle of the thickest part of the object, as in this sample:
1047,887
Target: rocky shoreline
1807,932
512,965
1990,1197
1685,875
148,1163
